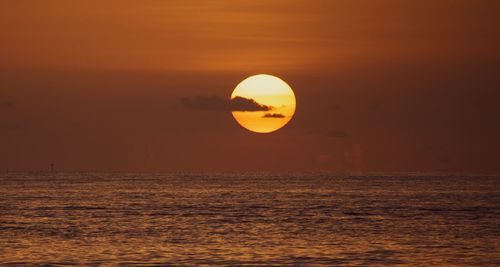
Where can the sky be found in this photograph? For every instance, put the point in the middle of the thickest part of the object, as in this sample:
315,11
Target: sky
381,86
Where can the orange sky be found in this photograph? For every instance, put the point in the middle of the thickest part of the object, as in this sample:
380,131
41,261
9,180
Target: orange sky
381,85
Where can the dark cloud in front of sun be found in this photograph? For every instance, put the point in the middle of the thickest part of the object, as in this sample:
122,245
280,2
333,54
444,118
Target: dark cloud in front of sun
216,103
273,116
239,103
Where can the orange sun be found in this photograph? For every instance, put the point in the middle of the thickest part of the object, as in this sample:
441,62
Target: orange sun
263,103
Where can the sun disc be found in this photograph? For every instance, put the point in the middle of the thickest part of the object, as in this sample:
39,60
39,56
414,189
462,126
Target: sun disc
263,103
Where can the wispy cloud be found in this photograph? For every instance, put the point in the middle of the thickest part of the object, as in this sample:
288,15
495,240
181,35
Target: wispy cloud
9,126
212,103
273,115
6,104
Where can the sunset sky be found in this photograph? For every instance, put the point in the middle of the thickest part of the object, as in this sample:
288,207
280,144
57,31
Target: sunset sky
381,86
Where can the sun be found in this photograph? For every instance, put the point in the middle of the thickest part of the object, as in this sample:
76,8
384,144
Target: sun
263,103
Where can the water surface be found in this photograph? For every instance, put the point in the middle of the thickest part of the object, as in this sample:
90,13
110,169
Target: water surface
248,219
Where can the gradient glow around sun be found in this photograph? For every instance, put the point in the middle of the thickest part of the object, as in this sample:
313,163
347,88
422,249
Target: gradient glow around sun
270,91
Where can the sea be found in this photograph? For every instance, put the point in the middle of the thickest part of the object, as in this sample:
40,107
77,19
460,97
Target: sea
248,219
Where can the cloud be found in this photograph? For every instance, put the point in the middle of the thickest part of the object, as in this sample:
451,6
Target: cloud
6,104
213,103
9,126
239,103
273,115
338,134
444,159
324,159
216,103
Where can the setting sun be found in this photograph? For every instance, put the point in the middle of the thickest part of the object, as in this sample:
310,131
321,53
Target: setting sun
263,103
117,133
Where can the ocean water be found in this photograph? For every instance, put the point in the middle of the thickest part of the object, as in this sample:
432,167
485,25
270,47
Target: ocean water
248,219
